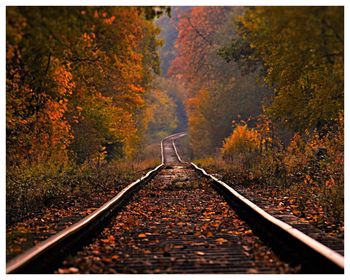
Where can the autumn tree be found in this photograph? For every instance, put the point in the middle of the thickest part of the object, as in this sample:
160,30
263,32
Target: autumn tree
299,52
76,80
77,86
129,60
302,52
217,91
38,86
160,115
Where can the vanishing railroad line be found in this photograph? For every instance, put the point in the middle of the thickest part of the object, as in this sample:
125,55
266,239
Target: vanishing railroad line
178,219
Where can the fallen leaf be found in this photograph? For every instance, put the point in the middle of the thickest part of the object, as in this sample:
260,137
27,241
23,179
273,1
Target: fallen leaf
221,240
199,253
107,260
62,270
246,248
142,235
111,238
73,270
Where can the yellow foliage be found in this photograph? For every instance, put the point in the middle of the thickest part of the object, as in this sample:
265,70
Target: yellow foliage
242,142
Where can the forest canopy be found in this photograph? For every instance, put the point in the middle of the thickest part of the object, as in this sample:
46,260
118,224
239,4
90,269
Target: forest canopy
76,82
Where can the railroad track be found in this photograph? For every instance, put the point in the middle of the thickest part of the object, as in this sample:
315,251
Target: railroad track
178,219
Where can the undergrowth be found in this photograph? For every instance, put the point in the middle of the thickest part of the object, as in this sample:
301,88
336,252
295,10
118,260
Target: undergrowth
310,168
30,189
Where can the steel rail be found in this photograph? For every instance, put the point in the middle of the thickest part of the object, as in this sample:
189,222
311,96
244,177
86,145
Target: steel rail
315,252
32,259
35,258
43,250
177,154
176,135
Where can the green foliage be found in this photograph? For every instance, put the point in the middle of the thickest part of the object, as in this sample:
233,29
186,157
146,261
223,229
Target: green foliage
302,52
160,115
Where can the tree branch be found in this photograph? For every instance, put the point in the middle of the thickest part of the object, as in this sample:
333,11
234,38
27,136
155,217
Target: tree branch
199,33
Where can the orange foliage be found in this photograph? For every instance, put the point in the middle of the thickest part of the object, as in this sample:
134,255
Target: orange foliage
136,88
196,30
243,141
76,73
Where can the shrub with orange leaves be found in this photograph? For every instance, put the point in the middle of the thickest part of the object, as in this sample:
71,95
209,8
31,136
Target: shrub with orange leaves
310,168
315,167
242,146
